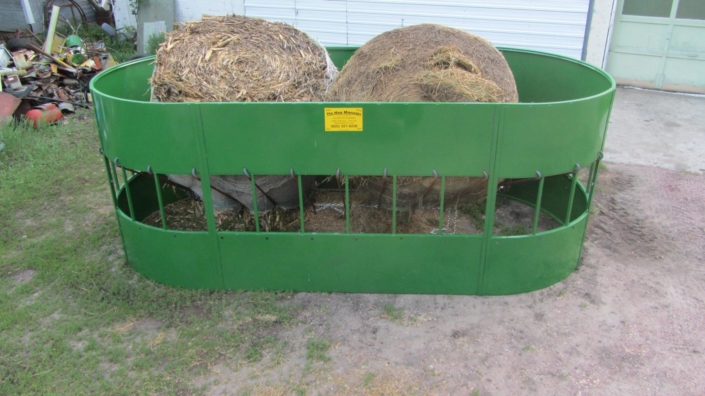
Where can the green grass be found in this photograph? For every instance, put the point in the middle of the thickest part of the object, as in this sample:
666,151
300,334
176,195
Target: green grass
517,229
74,318
316,349
393,313
153,43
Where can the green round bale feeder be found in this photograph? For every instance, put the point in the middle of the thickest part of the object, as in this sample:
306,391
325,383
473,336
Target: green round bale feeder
558,127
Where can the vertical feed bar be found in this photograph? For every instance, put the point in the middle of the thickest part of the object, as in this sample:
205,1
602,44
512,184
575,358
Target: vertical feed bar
254,202
394,204
593,180
301,202
127,191
110,180
571,197
158,186
347,205
588,187
537,210
442,209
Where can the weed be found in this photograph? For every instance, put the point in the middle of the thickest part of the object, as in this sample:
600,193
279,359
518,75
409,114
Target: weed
367,379
476,213
393,313
517,229
153,43
316,349
253,354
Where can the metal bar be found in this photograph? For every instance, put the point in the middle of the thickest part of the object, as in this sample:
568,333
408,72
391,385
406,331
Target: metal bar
301,202
254,202
440,221
593,181
117,179
394,204
110,181
588,187
537,210
571,197
347,205
158,186
129,195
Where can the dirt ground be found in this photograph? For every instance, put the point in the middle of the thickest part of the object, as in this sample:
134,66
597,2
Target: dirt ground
630,320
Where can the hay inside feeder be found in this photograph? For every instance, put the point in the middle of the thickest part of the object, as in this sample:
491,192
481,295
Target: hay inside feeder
426,63
240,59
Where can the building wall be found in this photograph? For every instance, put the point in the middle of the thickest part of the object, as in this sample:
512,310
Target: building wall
12,16
556,26
600,32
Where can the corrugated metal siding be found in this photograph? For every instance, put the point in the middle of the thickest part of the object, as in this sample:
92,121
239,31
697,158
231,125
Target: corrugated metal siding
544,25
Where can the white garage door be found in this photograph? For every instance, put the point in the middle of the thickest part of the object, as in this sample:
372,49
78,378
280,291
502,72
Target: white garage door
556,26
659,44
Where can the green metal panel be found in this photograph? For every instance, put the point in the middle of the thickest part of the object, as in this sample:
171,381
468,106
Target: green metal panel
364,263
449,137
543,78
530,140
520,264
178,258
340,55
560,121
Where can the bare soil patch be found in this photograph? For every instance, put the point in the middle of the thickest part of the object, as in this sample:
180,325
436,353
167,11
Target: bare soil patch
628,321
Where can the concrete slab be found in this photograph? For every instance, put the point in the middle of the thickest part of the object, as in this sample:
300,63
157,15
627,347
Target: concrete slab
659,129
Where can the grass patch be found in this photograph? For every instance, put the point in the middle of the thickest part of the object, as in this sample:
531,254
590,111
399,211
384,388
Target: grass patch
393,313
517,229
153,43
73,316
316,349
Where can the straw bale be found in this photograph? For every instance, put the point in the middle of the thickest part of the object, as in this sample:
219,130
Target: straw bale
240,59
425,63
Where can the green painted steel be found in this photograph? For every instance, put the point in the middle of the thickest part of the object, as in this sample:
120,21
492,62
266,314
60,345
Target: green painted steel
561,121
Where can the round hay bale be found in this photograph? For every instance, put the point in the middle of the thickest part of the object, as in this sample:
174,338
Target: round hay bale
240,59
426,63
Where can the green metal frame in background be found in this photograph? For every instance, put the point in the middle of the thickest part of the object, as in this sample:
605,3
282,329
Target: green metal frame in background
558,127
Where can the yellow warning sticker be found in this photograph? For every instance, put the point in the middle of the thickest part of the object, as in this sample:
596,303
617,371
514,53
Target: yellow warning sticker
343,119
